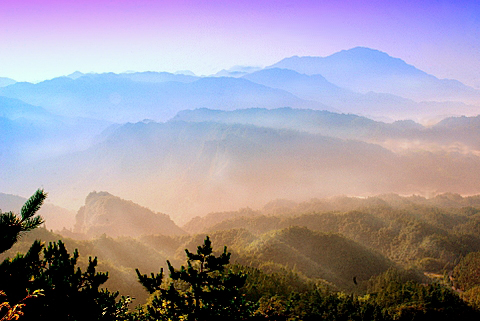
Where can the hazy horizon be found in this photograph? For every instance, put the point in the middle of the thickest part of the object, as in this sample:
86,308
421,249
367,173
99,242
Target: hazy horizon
47,39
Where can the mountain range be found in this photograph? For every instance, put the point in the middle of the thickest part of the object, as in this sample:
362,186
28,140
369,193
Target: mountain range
459,134
318,173
29,133
377,105
363,70
187,145
188,168
360,80
134,97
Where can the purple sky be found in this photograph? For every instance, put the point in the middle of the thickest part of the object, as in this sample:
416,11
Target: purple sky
41,39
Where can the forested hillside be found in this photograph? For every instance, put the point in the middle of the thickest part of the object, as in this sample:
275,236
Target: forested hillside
380,258
429,234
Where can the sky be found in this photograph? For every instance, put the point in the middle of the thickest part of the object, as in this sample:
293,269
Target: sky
43,39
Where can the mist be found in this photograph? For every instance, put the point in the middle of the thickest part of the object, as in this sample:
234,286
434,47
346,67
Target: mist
186,145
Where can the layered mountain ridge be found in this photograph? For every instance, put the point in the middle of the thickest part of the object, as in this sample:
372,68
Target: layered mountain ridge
207,160
193,145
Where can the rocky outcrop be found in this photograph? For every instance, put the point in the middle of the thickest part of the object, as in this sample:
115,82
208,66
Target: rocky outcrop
104,213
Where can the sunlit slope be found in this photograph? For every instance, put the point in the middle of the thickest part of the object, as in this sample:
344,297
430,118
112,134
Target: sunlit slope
117,256
327,256
431,234
316,256
331,257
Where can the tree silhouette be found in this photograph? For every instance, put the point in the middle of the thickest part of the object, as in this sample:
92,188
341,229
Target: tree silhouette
67,292
203,290
12,225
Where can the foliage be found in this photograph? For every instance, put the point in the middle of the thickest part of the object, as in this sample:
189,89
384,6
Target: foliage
414,301
203,290
64,286
12,226
9,312
276,276
432,234
402,297
397,301
472,297
261,284
466,274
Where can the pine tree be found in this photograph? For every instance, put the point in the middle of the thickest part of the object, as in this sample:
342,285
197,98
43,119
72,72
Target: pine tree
67,292
203,290
11,225
45,283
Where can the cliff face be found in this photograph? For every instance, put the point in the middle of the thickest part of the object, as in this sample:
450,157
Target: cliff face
105,213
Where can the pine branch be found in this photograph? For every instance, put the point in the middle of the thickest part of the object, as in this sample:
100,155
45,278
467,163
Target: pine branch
33,204
30,224
11,225
152,283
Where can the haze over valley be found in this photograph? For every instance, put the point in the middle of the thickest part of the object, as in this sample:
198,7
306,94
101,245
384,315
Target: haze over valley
358,123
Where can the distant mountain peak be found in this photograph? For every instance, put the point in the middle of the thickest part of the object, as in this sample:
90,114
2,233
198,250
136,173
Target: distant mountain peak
6,81
236,71
366,50
364,54
244,68
75,75
353,52
94,196
363,69
185,72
